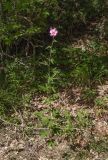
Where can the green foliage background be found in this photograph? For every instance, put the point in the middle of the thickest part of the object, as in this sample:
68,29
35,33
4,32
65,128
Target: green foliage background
27,19
24,36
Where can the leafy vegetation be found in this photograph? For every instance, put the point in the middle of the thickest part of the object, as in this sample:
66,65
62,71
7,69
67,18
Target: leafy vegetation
37,63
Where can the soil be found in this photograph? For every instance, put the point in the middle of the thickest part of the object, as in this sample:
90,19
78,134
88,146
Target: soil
15,144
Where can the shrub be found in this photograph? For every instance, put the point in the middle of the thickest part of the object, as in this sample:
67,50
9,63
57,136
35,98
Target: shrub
25,22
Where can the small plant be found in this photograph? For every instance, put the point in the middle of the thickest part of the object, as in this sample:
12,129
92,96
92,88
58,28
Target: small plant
102,102
56,122
83,119
88,95
52,72
52,75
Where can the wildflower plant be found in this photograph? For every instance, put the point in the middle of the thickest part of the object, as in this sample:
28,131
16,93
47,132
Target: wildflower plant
53,34
53,72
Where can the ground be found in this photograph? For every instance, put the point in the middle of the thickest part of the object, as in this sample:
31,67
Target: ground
19,142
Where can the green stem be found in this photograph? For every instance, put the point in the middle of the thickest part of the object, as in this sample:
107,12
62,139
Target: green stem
50,56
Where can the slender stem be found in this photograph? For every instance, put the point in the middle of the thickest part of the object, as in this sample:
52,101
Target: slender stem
50,56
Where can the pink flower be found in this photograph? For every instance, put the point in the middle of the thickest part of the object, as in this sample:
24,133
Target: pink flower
53,32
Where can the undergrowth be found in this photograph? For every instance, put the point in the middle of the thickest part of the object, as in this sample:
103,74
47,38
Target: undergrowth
34,62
